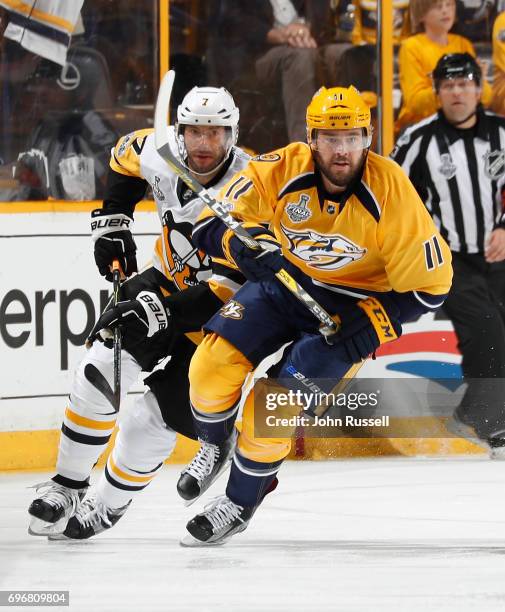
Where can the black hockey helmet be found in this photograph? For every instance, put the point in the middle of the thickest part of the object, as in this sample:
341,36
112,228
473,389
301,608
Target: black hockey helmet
456,66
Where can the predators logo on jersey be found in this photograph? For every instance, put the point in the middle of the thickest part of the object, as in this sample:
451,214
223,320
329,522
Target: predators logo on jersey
232,310
186,265
322,251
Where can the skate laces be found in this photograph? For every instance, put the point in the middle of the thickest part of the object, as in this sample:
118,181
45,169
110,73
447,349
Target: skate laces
204,461
221,511
92,512
58,495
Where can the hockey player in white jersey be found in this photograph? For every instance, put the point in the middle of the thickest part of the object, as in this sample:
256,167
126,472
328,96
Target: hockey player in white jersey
183,289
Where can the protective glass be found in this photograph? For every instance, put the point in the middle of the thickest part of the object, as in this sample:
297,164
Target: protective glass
214,135
340,141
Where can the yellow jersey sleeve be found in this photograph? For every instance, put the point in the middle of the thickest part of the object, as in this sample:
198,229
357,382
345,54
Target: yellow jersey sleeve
125,156
246,196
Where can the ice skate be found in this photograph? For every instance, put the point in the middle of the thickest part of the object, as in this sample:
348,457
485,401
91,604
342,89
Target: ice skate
51,511
209,463
92,517
220,520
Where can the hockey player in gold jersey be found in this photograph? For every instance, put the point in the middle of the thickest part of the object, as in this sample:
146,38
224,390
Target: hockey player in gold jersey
350,227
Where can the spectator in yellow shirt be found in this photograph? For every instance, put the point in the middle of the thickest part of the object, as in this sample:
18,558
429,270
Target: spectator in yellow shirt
498,101
419,54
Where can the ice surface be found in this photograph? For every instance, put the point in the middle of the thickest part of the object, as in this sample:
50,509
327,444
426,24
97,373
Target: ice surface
354,536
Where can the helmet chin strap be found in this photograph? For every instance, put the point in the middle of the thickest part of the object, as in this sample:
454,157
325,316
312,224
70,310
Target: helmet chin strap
456,123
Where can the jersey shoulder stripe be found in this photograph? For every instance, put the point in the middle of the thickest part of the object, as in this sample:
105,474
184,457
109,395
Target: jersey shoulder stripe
307,180
234,185
366,196
125,157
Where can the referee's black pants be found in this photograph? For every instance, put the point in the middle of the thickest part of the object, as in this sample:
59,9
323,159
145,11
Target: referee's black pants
476,308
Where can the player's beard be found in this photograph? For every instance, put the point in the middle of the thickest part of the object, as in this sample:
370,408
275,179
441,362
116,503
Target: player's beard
211,162
214,158
340,177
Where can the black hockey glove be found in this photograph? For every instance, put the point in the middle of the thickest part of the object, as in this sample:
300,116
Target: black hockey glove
258,265
113,240
139,319
373,322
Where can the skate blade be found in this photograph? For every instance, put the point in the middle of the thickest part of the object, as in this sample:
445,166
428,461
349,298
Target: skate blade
58,537
188,541
465,431
38,527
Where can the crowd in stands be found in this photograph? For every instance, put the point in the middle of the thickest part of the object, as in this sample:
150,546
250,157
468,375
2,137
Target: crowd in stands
272,55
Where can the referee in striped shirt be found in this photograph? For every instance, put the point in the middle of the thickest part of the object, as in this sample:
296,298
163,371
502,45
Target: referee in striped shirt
456,161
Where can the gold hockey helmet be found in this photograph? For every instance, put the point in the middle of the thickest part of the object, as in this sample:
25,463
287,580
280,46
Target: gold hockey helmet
339,108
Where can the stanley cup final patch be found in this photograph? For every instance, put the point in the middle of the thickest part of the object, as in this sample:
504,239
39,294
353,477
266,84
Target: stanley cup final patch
298,211
127,141
448,168
494,164
156,189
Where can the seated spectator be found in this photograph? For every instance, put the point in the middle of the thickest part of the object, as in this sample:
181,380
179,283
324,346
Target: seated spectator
281,47
66,156
498,101
420,53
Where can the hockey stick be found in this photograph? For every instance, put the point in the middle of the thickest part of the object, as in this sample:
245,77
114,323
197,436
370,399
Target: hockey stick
116,283
320,410
329,326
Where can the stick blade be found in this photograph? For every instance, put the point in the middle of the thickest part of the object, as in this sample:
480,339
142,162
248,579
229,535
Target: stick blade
162,108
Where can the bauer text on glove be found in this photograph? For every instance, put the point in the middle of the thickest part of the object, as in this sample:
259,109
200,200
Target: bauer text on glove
139,318
113,239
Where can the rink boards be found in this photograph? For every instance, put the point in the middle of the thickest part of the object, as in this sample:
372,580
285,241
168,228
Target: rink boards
50,295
